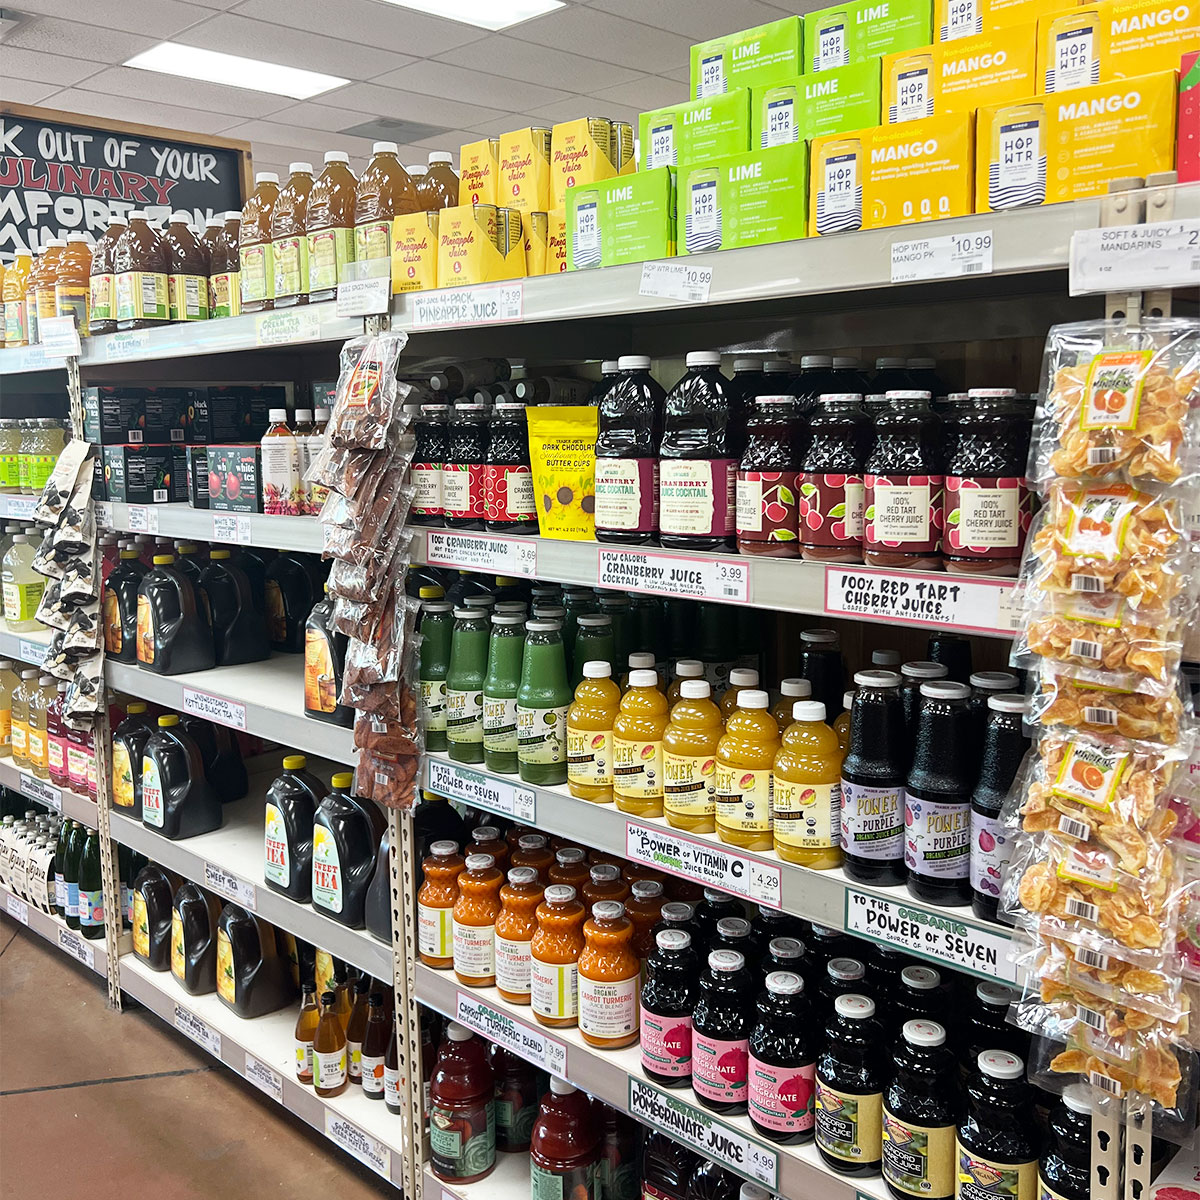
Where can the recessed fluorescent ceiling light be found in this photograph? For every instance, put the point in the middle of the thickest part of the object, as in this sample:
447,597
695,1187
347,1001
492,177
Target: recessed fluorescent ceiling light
486,14
172,58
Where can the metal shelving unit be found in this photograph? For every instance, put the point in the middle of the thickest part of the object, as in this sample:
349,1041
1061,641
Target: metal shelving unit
63,800
92,954
186,523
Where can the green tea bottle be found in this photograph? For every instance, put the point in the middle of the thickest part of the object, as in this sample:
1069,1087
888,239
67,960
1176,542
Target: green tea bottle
464,684
91,888
542,702
506,649
437,624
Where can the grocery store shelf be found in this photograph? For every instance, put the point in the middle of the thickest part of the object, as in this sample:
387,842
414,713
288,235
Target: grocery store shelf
63,800
91,953
264,698
262,1051
229,861
22,360
184,522
616,1077
13,507
950,936
509,1181
29,647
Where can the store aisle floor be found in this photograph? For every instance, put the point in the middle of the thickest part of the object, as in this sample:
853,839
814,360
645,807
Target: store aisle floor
107,1105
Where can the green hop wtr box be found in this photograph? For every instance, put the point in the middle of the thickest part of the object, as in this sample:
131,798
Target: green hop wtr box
751,58
863,29
812,106
624,220
714,127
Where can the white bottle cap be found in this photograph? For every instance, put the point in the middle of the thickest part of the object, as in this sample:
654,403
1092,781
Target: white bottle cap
854,1006
479,862
458,1033
336,156
747,364
633,362
819,637
233,215
641,660
743,677
847,699
1009,702
609,366
999,1064
275,415
816,360
417,169
266,177
303,415
924,670
440,156
995,995
301,168
795,687
560,1087
846,361
641,679
598,669
559,893
885,658
689,668
845,969
137,214
921,979
79,237
945,689
777,368
751,698
384,148
923,1033
703,358
808,710
215,221
695,689
322,414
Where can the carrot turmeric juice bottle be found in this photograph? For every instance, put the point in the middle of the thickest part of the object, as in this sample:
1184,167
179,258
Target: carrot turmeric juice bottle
644,909
475,913
570,867
533,851
609,972
554,955
486,839
515,927
435,904
605,883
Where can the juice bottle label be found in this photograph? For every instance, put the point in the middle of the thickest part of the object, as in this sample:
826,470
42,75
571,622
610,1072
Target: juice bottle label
666,1044
282,491
291,265
189,297
56,752
139,921
982,1178
45,303
427,479
142,296
808,816
329,250
326,871
637,768
554,989
35,747
831,509
627,494
372,1074
918,1160
304,1059
462,1141
391,1088
689,784
513,966
277,864
225,293
373,239
71,300
744,798
991,848
590,756
433,705
72,899
849,1127
177,960
782,1098
542,734
91,908
937,837
329,1068
508,493
698,496
16,322
21,600
354,1060
767,510
462,490
575,1183
719,1069
40,468
904,512
464,716
20,740
434,931
10,475
986,516
1046,1192
31,317
78,762
226,983
608,1008
872,821
152,794
6,727
500,725
145,630
474,949
257,273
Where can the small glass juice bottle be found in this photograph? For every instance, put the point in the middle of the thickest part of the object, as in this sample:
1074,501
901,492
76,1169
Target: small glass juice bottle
464,685
807,791
330,1077
690,743
306,1029
437,625
644,908
638,747
745,759
506,649
533,851
609,972
435,904
554,956
604,883
741,679
590,722
542,702
570,867
669,993
282,494
486,839
475,913
515,926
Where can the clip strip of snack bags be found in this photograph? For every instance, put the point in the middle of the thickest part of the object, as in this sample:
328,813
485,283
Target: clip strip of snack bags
1100,882
365,467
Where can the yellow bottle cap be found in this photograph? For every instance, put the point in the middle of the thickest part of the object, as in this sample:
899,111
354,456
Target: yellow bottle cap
186,548
343,781
167,721
136,706
218,554
129,554
432,592
163,560
295,762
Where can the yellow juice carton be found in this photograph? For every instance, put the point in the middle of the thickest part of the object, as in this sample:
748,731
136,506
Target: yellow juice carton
953,19
414,252
525,170
468,246
1045,149
537,232
580,152
624,158
479,172
556,242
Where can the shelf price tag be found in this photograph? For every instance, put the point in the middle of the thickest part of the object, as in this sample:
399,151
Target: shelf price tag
368,1150
703,1132
909,598
481,791
32,652
226,884
1135,257
214,708
231,527
77,947
143,518
491,304
478,552
708,863
521,1039
104,513
942,257
363,297
60,337
17,908
287,326
264,1078
34,788
674,575
201,1033
676,281
21,507
118,346
940,937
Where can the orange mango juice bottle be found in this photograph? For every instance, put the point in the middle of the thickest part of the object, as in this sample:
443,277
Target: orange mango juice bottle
590,734
841,724
690,759
741,679
790,690
637,747
745,759
685,669
807,797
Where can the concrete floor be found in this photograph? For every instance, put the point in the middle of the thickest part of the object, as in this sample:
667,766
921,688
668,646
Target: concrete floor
108,1105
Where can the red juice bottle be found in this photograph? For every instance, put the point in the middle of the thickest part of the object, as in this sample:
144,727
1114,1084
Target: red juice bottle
783,1062
429,458
667,1165
831,480
564,1150
517,1090
627,444
462,474
462,1125
669,993
767,513
721,1026
508,501
620,1153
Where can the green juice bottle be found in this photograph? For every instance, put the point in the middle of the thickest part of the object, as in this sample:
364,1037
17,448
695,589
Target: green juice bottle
576,601
506,650
542,702
646,615
437,624
464,685
594,642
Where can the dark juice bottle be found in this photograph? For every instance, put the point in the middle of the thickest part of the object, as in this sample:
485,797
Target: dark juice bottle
324,660
121,607
873,774
620,1154
291,803
913,674
721,1024
239,625
1064,1171
999,1139
714,906
463,502
291,589
564,1150
711,1181
952,651
187,262
437,626
698,459
1004,746
462,1126
937,797
374,1047
821,665
987,1026
902,524
222,757
627,445
842,976
783,1062
831,482
173,635
733,933
667,1165
850,1075
517,1089
129,743
429,458
152,917
787,954
253,977
177,799
920,996
508,502
669,993
767,509
746,385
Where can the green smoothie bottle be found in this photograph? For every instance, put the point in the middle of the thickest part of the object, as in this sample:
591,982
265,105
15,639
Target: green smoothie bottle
542,702
464,685
594,642
506,650
437,624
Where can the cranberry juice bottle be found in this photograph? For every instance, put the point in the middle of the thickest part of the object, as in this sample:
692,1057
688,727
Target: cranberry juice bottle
630,430
508,501
831,480
766,510
462,474
1004,746
462,1125
721,1027
850,1074
669,994
429,459
783,1062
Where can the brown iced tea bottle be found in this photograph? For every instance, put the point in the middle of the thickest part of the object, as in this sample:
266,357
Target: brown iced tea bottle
42,284
330,225
187,263
225,269
102,316
384,191
257,259
438,188
330,1077
142,273
72,279
289,243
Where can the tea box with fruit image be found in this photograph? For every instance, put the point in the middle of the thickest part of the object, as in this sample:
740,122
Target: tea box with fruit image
235,478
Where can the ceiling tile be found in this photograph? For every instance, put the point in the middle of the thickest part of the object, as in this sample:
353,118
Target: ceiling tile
76,40
585,106
153,18
697,20
457,83
313,142
651,91
411,106
553,68
122,108
608,38
453,141
154,88
682,73
308,114
34,66
24,91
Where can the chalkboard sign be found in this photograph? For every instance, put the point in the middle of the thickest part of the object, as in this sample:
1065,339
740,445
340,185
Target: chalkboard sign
61,173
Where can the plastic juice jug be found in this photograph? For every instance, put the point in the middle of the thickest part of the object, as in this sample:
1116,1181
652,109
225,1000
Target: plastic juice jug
239,626
225,269
807,790
9,681
462,1117
173,635
768,512
435,904
666,1167
506,648
10,470
474,921
379,893
638,747
438,188
831,480
289,244
177,799
684,669
141,271
690,743
745,757
346,832
128,749
329,225
790,690
668,997
849,1089
554,955
721,1025
72,281
627,446
16,301
47,279
437,625
516,924
324,661
152,917
22,586
253,977
609,975
384,191
590,721
564,1152
291,805
741,679
194,916
542,702
187,266
257,261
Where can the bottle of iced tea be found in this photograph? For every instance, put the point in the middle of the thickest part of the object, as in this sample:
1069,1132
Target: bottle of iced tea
384,191
188,266
329,226
257,262
438,187
289,241
330,1077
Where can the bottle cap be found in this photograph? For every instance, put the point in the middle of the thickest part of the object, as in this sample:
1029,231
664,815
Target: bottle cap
847,699
444,848
689,668
291,762
343,781
999,1064
777,367
672,939
233,215
417,169
751,1191
991,393
599,669
520,876
841,397
784,983
743,677
439,156
695,689
276,415
924,670
560,1087
747,364
301,168
1078,1098
633,362
819,637
816,360
218,555
715,896
920,364
641,660
854,1007
845,969
303,416
569,854
885,658
945,689
785,947
1009,702
124,220
795,688
480,862
531,841
876,679
559,893
752,698
339,156
994,995
733,927
458,1033
508,618
322,414
164,722
808,710
607,910
703,358
994,681
541,626
906,394
725,961
259,177
923,1033
646,889
643,679
678,912
604,873
845,361
384,148
921,979
163,560
610,366
87,237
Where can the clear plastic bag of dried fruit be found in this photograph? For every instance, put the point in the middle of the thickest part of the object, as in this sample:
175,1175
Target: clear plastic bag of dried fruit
390,781
369,396
388,736
1120,402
